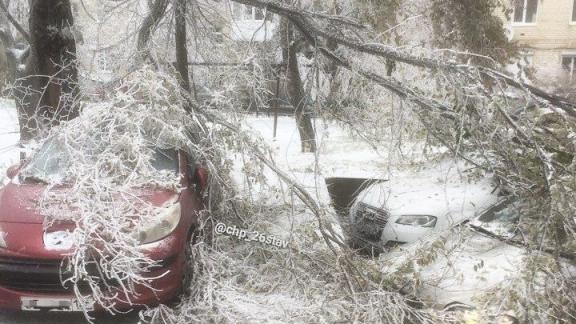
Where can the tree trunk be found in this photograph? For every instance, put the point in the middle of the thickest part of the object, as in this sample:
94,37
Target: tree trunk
333,68
157,11
181,48
295,87
47,89
6,42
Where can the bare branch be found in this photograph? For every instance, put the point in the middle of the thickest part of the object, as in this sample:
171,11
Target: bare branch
14,22
151,22
314,33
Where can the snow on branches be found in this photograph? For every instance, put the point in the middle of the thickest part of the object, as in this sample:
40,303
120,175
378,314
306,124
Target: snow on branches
98,168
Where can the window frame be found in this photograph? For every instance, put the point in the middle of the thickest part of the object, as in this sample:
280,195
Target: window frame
524,14
572,57
572,19
242,8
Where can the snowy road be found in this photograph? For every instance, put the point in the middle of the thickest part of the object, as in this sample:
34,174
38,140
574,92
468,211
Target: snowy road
60,318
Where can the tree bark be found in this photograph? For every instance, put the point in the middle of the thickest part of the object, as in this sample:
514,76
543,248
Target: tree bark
333,68
6,42
182,51
181,48
157,11
19,28
47,89
295,87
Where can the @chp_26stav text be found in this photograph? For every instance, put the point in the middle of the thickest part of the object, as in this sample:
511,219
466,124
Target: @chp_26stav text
249,236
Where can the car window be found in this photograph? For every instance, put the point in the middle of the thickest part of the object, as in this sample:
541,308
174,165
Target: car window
502,220
49,164
165,159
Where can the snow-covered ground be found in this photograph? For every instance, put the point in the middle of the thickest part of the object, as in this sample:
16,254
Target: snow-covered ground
341,154
9,136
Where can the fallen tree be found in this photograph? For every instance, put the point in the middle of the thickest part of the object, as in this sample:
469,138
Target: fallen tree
474,115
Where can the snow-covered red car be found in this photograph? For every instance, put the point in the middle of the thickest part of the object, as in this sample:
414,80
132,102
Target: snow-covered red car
31,255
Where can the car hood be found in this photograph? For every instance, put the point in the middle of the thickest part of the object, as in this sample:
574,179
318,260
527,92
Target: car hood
478,264
428,196
19,202
459,265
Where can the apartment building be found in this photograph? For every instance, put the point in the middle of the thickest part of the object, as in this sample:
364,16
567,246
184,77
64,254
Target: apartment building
250,23
546,32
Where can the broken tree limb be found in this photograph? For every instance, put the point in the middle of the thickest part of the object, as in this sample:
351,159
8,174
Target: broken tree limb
150,23
331,238
314,33
392,85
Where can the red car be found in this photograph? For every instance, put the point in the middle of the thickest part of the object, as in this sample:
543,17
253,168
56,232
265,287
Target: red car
30,265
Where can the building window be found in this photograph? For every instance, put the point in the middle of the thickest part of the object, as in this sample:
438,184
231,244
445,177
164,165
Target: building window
525,11
574,11
244,12
568,62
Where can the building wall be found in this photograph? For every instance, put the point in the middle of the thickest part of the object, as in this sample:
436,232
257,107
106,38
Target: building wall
551,36
249,27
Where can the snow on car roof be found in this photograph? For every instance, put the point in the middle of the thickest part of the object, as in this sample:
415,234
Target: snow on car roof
436,191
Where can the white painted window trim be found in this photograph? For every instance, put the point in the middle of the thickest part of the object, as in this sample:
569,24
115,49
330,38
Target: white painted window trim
570,21
519,24
242,10
525,9
572,55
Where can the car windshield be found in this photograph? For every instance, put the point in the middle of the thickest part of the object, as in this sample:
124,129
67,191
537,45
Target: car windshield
50,163
501,220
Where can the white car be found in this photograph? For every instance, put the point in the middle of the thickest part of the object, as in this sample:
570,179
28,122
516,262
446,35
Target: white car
403,210
466,264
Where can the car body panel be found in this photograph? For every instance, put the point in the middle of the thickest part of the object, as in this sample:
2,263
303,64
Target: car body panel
402,233
22,229
19,203
165,287
477,264
462,265
451,201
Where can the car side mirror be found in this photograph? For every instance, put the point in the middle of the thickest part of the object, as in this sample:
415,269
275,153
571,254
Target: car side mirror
200,178
13,171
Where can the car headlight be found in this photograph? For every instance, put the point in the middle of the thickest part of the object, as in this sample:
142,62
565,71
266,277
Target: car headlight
2,239
417,220
161,225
